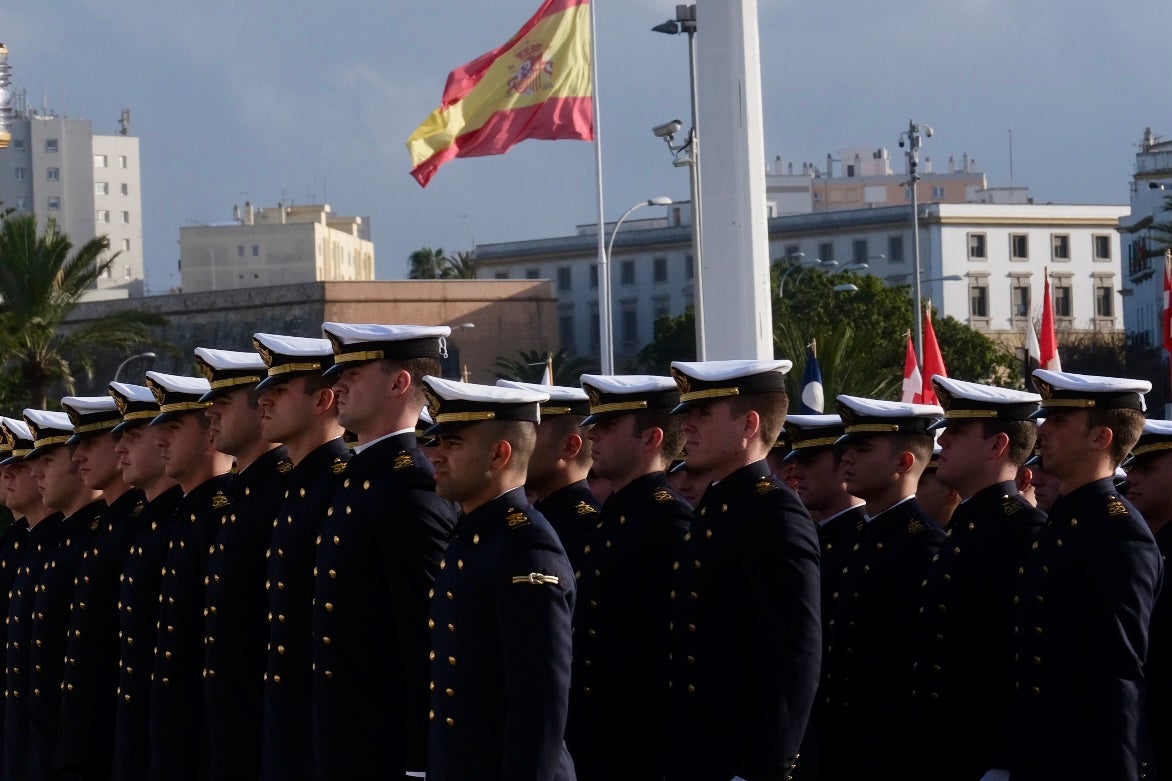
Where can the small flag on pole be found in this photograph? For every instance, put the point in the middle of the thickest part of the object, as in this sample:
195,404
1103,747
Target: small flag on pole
538,85
913,383
1033,356
547,375
1048,345
813,395
933,360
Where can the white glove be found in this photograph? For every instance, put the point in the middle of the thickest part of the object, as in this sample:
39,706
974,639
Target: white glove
995,775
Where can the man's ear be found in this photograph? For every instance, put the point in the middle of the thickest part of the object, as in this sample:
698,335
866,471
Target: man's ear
502,454
651,438
571,447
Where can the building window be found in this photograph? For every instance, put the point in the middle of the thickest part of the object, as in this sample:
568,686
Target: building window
50,145
793,250
125,188
101,188
54,202
594,276
501,275
1104,298
100,161
18,143
1019,246
660,307
18,174
1063,298
126,269
532,273
826,251
53,174
629,328
239,250
659,269
126,247
564,279
22,203
103,215
126,221
895,249
977,250
595,326
121,161
1060,243
978,298
907,194
566,330
1019,296
859,251
627,272
937,192
689,267
1102,245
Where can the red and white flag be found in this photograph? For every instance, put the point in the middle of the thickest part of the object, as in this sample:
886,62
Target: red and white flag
1048,344
913,382
933,360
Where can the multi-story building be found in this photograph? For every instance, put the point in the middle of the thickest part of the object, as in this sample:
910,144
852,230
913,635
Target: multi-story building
999,252
285,245
90,184
1151,186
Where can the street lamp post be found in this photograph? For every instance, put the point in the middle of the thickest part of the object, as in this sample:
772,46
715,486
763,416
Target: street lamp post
605,315
685,21
912,140
147,356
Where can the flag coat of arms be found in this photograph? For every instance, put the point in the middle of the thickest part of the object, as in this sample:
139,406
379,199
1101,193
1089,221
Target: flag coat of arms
538,85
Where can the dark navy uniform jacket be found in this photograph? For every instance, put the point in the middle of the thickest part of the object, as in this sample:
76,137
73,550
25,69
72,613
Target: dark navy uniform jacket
235,631
12,548
572,511
42,539
500,649
618,699
138,615
85,742
746,632
176,717
51,608
963,685
1084,604
379,548
288,678
867,685
1158,676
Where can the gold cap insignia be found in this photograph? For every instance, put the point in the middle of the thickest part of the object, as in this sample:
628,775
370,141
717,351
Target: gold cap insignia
74,416
434,402
34,430
1045,389
158,391
944,396
207,371
682,380
121,403
9,438
594,394
265,353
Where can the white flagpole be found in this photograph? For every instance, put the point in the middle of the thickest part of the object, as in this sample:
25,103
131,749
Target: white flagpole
605,337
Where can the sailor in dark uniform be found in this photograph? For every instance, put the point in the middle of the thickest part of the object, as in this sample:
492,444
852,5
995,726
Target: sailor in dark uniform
139,583
815,465
377,555
235,632
1149,474
63,490
746,634
176,735
86,740
24,499
867,681
298,408
12,542
963,685
1086,595
560,463
619,697
938,499
501,609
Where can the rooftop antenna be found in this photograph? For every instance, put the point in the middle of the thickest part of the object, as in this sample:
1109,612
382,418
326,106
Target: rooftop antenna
6,114
1011,160
124,122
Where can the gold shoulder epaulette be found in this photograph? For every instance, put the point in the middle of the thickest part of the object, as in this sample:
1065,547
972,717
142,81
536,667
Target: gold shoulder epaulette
765,486
915,526
1011,506
284,466
404,460
138,508
662,495
1116,507
338,467
584,508
517,518
219,500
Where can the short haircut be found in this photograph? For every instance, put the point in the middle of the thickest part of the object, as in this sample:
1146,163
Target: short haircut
920,445
1023,435
673,432
1126,425
521,436
770,406
563,426
418,368
313,382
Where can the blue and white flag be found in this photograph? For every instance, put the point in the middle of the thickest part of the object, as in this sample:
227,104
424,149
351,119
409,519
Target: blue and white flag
812,394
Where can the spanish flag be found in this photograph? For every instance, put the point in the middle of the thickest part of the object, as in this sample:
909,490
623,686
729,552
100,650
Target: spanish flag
538,85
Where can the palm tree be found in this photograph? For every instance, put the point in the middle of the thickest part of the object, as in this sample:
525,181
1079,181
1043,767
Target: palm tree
568,368
427,263
40,284
462,266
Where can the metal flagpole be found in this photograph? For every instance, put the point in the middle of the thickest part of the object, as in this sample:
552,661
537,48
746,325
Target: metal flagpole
605,338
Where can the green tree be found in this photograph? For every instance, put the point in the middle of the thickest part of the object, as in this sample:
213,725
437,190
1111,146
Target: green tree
674,339
529,366
40,284
462,266
427,263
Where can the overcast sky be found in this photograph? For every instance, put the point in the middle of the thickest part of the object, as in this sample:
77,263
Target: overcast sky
308,101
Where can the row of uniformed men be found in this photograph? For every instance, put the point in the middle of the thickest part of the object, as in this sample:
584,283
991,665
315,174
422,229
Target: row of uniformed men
370,576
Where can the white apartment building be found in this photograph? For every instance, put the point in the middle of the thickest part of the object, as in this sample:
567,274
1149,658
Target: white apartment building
57,168
1000,252
284,245
1143,302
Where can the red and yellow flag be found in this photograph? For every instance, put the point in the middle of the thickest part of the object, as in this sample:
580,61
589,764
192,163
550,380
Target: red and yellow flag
538,85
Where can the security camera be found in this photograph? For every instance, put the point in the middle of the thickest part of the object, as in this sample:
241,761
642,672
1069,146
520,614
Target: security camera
667,129
928,131
901,143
